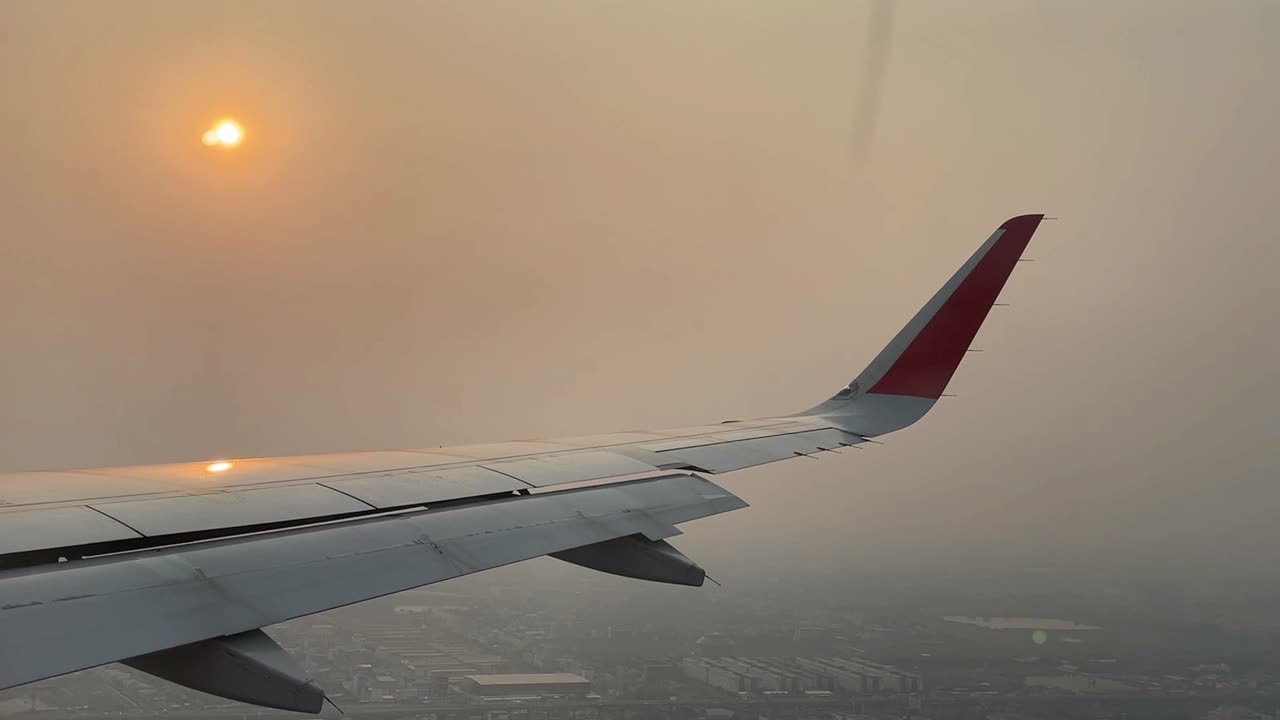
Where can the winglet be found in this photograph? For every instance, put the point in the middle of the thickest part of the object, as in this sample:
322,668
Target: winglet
913,370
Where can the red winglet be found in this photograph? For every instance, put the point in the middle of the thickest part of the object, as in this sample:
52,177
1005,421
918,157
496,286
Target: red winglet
925,367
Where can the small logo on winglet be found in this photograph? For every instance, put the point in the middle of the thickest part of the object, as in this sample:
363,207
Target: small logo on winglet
849,391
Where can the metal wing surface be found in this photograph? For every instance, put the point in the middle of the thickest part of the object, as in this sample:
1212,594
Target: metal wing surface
73,615
173,568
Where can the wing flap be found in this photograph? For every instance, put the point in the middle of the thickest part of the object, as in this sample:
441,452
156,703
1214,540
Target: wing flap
545,470
425,486
220,510
22,532
738,454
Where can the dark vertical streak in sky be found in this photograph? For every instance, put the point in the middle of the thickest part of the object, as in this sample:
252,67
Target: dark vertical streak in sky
867,103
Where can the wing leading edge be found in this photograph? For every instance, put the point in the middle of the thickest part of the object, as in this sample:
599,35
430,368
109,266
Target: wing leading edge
173,569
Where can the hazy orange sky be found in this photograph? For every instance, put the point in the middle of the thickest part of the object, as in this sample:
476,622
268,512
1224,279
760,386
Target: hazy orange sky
464,221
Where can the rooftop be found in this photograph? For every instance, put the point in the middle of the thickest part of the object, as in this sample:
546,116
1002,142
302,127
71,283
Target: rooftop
527,679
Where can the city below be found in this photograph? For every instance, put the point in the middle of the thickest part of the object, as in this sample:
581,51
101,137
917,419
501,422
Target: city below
548,642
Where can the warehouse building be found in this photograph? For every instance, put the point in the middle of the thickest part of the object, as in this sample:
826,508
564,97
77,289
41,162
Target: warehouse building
526,685
800,675
863,676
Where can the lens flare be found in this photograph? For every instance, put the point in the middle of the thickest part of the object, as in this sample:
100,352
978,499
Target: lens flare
218,467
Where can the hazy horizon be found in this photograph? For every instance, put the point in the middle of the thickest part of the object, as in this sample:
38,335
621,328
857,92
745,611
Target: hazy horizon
457,221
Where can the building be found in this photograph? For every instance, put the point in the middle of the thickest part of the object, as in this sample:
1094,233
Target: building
755,675
1226,712
863,676
801,675
715,645
526,685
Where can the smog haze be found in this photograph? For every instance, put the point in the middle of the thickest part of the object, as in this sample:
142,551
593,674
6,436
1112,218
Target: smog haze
458,222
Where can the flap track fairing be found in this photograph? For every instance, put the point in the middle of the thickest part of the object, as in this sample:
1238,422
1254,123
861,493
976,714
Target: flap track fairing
635,556
249,667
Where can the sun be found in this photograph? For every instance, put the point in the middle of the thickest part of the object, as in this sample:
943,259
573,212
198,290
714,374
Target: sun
225,133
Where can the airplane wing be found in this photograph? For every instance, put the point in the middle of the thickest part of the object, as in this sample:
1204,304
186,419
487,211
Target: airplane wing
174,569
